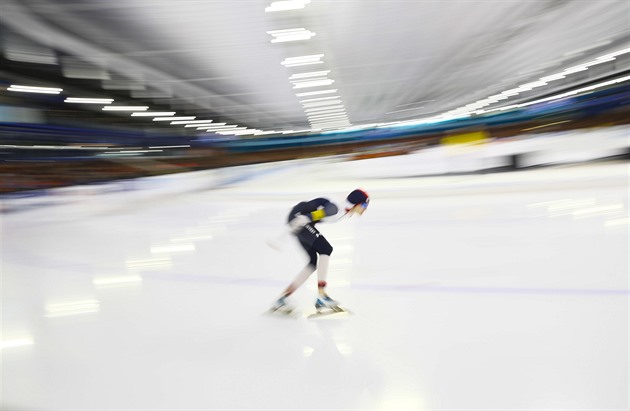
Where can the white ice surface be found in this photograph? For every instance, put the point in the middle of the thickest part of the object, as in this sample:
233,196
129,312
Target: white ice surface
488,292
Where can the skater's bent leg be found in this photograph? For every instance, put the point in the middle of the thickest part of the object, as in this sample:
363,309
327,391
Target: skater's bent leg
322,273
313,243
323,247
304,274
299,280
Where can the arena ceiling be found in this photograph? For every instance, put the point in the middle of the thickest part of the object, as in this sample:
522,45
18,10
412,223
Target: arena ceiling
299,64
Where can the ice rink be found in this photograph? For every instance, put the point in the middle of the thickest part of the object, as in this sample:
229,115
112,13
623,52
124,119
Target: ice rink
469,292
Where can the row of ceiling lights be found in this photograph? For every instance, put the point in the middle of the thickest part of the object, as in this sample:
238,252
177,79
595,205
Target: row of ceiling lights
141,111
479,106
322,111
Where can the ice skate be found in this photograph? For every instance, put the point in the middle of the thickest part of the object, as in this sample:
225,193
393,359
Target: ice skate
324,301
326,306
280,306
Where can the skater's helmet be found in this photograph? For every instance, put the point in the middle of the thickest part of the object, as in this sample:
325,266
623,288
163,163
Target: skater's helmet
358,197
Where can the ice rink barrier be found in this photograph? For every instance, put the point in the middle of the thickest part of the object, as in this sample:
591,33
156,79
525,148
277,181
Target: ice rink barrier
509,154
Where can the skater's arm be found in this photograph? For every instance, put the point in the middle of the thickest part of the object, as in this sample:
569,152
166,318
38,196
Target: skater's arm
317,210
312,211
326,210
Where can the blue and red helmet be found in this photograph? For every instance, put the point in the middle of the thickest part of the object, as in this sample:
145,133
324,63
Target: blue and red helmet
358,196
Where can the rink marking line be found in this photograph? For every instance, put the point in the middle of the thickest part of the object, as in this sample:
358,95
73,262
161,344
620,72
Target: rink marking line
399,287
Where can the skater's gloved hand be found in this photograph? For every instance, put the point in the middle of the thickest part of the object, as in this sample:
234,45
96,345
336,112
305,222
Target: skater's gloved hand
298,223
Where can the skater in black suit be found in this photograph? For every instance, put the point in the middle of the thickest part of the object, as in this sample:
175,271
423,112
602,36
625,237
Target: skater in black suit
302,220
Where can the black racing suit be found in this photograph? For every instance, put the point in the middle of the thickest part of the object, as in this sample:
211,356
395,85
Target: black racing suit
310,238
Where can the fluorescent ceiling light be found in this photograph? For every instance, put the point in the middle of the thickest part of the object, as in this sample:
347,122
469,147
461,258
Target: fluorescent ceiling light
326,113
315,93
543,81
29,89
286,5
192,122
200,125
215,127
314,109
89,100
302,60
307,80
153,113
331,113
338,114
533,84
229,128
321,103
244,132
306,63
125,108
318,99
305,130
497,97
218,130
600,60
319,113
553,77
581,90
324,121
567,94
310,74
281,36
330,121
616,53
317,119
314,83
286,31
575,69
360,127
174,118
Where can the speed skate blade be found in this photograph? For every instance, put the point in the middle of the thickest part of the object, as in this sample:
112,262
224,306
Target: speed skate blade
288,313
336,313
